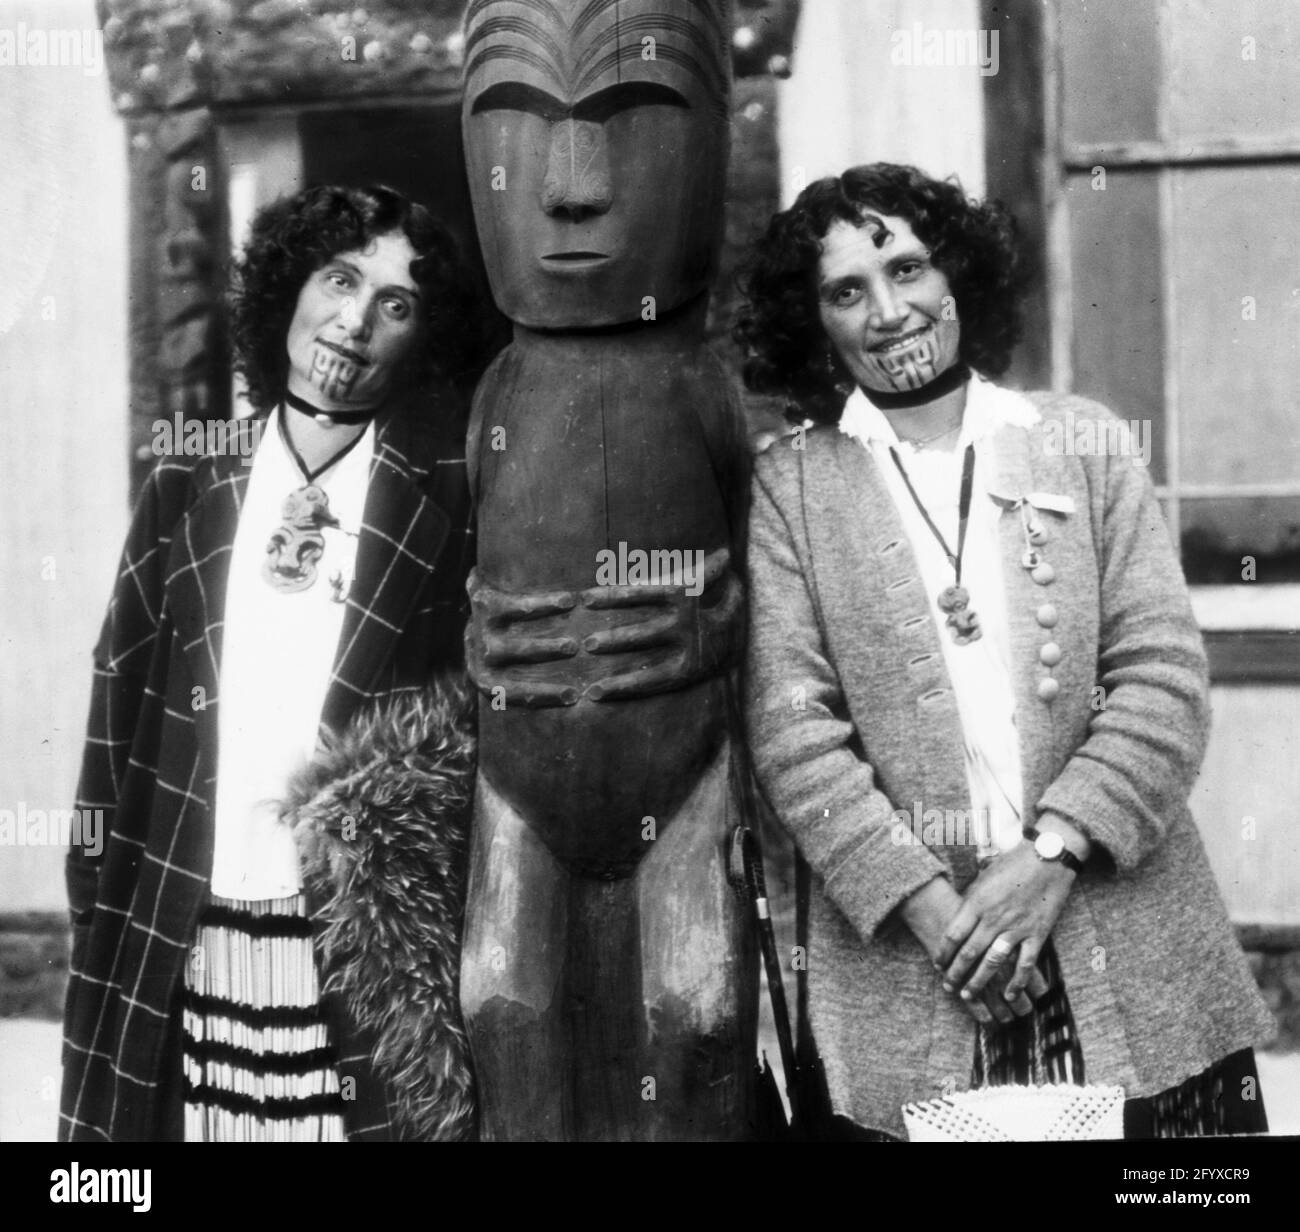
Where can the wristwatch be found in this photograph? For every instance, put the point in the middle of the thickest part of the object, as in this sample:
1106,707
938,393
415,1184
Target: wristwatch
1050,846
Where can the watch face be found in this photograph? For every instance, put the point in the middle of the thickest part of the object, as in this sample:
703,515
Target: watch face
1049,846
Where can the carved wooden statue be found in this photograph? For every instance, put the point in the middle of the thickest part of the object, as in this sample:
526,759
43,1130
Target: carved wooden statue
608,980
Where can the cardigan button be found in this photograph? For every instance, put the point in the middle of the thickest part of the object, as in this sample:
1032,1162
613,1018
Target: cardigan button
1043,574
1047,615
1048,689
1050,654
1035,533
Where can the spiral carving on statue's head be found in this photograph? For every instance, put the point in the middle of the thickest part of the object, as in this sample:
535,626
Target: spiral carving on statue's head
577,176
580,43
596,137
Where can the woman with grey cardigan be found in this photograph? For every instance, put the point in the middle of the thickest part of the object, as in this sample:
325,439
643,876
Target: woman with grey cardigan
977,697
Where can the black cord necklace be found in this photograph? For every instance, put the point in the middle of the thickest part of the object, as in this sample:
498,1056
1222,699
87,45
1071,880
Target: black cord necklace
954,600
310,475
944,383
336,417
297,544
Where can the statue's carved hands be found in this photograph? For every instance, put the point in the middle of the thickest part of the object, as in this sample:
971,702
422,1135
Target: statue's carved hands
668,638
697,635
503,634
509,625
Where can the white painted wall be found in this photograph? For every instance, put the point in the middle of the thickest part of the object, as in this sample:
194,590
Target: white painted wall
853,98
1245,800
63,388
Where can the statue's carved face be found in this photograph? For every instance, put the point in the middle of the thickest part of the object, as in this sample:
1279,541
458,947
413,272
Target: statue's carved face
596,142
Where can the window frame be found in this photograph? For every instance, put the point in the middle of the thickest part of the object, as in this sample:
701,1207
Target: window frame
1250,629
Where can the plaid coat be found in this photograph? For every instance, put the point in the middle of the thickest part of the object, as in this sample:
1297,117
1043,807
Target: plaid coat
151,751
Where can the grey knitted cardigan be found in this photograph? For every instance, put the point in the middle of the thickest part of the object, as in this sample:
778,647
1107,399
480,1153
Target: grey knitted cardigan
851,715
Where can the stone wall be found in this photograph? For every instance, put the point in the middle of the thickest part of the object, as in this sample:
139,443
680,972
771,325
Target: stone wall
165,55
33,965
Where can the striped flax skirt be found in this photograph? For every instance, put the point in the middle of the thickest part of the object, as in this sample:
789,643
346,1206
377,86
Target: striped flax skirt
258,1062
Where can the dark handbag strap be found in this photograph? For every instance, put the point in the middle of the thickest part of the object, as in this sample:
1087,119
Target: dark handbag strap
814,1095
749,881
802,894
805,1083
746,870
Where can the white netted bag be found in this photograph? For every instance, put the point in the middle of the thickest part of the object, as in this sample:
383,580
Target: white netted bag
1019,1112
1054,1113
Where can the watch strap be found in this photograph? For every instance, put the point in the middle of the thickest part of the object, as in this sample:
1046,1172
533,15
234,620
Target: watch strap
1066,857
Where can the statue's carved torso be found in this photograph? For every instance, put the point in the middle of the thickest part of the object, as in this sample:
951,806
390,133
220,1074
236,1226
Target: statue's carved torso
587,446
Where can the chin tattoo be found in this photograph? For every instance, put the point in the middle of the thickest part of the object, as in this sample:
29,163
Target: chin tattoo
333,375
916,366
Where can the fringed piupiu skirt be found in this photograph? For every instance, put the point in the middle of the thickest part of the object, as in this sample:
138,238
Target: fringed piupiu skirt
1222,1099
259,1062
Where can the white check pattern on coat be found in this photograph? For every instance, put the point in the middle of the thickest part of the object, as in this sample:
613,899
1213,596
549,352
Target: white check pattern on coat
150,752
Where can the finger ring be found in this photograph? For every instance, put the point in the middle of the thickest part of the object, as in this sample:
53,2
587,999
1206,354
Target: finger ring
999,949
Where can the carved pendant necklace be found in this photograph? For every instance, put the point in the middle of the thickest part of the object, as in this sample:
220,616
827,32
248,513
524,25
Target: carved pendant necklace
954,600
297,544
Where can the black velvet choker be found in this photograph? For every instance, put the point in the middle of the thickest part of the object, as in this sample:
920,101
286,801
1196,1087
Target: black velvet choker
944,383
338,417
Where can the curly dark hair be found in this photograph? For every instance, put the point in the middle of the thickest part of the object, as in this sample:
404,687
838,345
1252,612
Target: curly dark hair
973,243
294,236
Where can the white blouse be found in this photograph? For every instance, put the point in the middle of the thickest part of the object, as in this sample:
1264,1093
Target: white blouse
277,657
980,671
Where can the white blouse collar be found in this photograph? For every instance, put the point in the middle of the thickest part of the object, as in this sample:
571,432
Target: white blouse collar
988,408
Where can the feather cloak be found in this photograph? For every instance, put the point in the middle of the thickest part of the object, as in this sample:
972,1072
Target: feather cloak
381,817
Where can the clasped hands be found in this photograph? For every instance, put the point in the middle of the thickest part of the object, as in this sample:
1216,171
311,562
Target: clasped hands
987,941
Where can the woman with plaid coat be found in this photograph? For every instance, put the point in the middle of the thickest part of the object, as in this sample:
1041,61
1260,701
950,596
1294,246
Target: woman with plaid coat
350,315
